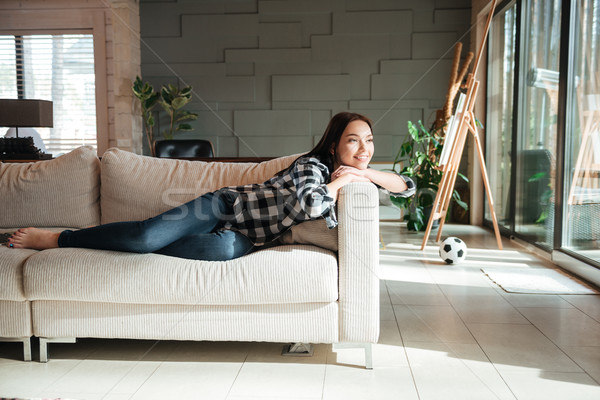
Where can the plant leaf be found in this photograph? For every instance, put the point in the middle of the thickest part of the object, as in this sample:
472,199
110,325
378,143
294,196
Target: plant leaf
400,202
186,92
186,116
537,177
166,95
178,102
462,204
414,132
184,127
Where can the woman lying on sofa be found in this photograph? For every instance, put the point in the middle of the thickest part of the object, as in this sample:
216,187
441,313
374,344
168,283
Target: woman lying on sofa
231,221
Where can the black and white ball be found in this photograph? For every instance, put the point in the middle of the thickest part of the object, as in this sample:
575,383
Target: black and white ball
453,250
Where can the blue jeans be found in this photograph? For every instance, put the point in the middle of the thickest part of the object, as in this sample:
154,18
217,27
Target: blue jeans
191,230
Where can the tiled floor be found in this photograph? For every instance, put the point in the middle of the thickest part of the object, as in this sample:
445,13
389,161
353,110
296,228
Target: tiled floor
447,332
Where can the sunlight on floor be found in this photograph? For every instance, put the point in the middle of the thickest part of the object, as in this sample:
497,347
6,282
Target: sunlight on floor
447,331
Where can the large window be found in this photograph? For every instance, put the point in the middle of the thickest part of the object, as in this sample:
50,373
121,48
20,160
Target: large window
543,113
536,143
501,69
582,161
59,68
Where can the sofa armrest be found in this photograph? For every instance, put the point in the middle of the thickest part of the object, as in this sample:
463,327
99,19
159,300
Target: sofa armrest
358,240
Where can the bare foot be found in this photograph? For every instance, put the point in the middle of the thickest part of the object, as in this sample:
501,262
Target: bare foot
33,238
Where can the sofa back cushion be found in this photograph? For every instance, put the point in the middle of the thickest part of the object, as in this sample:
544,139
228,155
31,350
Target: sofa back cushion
137,187
313,232
60,192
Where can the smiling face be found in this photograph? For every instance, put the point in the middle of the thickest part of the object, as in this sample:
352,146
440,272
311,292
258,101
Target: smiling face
355,148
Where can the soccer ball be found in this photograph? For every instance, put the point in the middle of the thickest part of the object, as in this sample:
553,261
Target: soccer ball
453,250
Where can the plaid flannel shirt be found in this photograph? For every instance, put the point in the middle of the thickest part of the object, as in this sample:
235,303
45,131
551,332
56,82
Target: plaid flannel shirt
263,212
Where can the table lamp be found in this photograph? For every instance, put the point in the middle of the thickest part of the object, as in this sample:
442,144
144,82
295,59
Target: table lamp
22,113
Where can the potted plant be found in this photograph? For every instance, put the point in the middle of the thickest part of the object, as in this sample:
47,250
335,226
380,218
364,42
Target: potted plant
418,158
148,99
172,99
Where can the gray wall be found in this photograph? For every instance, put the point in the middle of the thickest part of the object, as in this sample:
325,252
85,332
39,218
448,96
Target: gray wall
269,74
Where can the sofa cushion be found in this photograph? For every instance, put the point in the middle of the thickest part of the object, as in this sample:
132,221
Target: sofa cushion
11,268
60,192
313,232
284,274
137,187
11,272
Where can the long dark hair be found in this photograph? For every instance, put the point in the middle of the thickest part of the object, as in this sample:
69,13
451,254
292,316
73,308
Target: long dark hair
332,136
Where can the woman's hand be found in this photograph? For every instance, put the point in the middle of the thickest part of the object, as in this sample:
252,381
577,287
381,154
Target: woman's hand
343,176
387,180
361,175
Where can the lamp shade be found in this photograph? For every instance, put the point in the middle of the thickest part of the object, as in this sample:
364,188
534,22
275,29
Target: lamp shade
26,113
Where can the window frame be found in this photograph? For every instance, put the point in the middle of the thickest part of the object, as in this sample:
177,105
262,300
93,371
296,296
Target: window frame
37,22
556,248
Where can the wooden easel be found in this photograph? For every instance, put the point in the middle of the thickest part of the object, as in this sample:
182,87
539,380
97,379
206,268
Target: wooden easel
466,123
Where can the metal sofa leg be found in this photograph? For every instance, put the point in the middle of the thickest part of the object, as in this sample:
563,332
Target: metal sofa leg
368,347
44,345
26,349
298,349
26,345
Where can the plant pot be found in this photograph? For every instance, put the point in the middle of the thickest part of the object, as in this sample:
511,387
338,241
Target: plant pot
426,215
426,210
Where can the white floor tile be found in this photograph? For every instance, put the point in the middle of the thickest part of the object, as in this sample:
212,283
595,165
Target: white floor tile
482,305
461,370
131,381
273,380
389,333
27,379
536,300
345,383
415,293
587,358
463,276
386,313
71,396
117,397
275,398
589,304
516,347
535,385
91,376
189,380
431,324
565,326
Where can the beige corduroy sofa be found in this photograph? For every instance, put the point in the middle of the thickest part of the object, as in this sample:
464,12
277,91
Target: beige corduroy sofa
295,292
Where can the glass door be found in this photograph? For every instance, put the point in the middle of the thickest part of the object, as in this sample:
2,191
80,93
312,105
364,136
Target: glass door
499,120
582,162
537,130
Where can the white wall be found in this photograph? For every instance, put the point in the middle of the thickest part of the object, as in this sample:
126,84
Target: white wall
268,74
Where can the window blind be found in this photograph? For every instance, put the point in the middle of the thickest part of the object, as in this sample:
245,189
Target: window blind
59,68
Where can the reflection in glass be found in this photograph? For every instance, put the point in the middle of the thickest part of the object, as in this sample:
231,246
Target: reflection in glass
501,69
536,149
582,164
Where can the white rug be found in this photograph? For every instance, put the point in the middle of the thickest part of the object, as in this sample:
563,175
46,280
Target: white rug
536,281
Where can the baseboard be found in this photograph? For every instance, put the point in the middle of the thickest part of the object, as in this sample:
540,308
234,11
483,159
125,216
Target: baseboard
588,272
